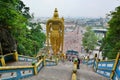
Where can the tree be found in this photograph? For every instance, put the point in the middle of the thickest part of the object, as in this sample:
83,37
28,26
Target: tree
14,33
111,43
89,40
38,38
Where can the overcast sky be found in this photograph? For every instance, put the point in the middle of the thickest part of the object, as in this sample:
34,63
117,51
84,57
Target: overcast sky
73,8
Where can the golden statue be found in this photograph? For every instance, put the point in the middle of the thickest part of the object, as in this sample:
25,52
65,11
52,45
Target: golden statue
55,33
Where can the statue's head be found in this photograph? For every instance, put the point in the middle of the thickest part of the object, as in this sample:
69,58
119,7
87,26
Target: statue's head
56,15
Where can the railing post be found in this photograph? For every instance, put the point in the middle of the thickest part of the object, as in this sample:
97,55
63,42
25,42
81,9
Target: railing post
87,59
74,76
115,64
56,61
3,61
44,60
15,56
95,60
35,69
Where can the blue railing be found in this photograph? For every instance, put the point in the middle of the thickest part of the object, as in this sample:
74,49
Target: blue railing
90,62
26,58
84,61
11,57
50,63
19,72
105,68
6,58
16,73
106,64
109,69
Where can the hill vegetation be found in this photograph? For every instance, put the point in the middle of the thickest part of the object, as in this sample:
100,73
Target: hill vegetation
17,32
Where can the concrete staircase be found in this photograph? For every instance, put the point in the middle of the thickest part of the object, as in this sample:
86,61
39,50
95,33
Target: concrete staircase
87,73
62,71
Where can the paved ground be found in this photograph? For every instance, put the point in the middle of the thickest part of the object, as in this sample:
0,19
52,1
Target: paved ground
62,71
87,73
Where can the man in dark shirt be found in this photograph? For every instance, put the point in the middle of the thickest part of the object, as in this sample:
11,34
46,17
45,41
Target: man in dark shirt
78,64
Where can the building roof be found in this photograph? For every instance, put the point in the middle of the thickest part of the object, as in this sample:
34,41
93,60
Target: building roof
100,30
72,52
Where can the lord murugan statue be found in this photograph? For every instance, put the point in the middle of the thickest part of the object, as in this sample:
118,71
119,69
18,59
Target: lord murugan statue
55,33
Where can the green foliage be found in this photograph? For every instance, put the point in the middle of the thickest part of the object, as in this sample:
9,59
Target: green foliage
10,16
31,40
15,17
89,40
111,43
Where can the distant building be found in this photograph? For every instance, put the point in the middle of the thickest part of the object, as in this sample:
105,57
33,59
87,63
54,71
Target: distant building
71,54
